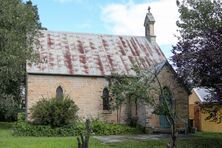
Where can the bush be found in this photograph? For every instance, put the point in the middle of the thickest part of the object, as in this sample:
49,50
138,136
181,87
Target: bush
102,128
54,112
22,128
8,108
21,116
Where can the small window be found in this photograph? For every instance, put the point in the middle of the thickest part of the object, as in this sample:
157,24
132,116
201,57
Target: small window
105,98
59,92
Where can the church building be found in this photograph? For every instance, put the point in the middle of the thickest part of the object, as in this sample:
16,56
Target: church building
79,64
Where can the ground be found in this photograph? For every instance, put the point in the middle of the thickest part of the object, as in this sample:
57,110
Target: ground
198,140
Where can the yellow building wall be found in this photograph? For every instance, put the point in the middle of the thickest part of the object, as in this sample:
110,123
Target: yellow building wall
210,126
192,99
205,125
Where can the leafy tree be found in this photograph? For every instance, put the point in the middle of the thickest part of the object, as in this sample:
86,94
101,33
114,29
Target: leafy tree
19,24
129,89
197,55
198,52
143,88
8,107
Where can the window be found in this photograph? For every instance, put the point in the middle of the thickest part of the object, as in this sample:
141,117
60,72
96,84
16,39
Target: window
167,95
59,92
105,98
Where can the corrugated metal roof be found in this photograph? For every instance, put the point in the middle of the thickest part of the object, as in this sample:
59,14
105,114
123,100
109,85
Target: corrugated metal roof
92,54
202,93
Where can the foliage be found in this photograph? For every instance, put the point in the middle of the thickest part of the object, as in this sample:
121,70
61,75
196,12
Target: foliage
8,107
167,107
54,112
137,87
19,23
23,128
21,116
198,52
131,90
144,87
102,128
165,104
198,140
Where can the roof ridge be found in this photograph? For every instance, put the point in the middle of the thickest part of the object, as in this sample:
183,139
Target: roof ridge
85,33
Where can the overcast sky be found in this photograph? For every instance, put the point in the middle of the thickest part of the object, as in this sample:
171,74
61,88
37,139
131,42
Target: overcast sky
121,17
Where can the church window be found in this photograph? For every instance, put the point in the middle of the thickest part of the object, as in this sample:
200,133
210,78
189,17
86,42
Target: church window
59,92
105,98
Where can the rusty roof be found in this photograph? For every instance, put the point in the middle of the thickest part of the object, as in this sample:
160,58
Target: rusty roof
92,54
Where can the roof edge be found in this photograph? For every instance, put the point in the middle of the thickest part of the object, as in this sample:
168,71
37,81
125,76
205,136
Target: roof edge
85,33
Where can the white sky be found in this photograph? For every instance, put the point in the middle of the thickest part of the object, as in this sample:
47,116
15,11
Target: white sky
126,19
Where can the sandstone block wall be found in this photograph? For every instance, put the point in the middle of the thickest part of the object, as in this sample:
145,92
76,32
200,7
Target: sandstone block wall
85,91
166,78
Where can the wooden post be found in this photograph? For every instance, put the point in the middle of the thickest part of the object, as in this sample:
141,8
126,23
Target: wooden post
83,141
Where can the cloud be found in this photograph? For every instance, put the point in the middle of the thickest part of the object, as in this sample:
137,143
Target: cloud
128,19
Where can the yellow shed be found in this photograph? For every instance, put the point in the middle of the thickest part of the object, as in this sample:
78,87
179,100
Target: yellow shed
196,117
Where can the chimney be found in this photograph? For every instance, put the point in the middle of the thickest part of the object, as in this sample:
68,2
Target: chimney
149,26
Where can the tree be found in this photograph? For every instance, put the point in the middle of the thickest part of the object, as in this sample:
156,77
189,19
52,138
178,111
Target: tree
197,55
143,87
19,25
129,89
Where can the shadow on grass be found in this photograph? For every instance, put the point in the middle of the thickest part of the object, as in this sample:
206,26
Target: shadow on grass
202,140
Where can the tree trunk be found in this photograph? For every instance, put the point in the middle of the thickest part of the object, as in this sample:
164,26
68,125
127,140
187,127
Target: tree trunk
117,115
174,135
136,108
120,111
172,143
129,114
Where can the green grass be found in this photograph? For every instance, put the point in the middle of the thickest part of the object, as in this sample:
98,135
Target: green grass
5,129
9,141
198,140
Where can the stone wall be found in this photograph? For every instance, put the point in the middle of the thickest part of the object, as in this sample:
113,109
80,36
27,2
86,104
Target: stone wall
167,78
85,91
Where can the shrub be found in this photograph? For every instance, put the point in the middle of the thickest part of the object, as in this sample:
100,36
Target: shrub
21,116
8,108
54,112
22,128
102,128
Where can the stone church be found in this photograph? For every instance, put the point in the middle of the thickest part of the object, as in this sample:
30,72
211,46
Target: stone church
77,64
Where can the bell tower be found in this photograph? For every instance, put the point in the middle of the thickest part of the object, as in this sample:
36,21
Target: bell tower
149,26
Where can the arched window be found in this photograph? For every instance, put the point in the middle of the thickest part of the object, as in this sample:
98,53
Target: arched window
167,95
59,92
105,98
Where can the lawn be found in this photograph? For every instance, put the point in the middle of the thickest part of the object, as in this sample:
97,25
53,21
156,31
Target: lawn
199,140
